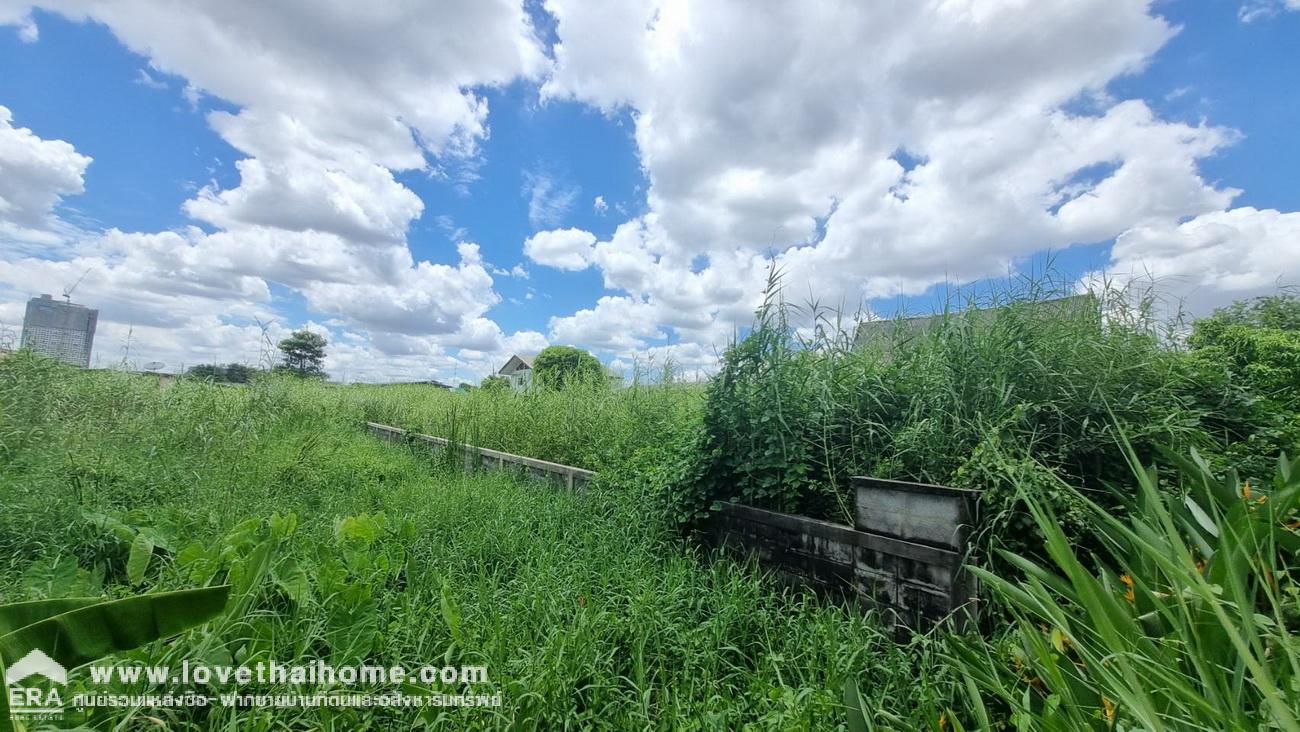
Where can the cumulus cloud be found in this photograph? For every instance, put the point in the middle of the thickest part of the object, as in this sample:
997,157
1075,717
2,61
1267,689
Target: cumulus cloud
35,174
360,201
976,135
616,323
561,248
328,104
1213,259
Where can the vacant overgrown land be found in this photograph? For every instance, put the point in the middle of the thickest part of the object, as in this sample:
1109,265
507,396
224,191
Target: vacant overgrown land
1136,542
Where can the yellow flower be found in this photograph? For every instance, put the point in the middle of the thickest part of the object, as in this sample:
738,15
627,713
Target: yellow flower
1109,707
1245,490
1128,582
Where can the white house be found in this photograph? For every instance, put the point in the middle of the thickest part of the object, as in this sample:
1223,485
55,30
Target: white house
519,370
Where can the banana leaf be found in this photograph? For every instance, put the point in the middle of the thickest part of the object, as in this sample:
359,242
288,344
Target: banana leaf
22,614
84,634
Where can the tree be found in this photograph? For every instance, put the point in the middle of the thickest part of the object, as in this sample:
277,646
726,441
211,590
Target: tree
1275,312
1259,342
231,373
493,382
239,373
560,366
304,354
209,371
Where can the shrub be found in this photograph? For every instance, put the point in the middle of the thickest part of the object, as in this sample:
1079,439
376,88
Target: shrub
1006,393
559,366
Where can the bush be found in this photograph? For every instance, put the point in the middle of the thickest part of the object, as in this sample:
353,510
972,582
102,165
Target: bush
1005,394
559,366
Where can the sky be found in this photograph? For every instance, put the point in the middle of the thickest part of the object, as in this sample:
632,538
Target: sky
435,186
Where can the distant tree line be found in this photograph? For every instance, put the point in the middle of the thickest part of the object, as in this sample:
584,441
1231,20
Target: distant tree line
231,373
302,354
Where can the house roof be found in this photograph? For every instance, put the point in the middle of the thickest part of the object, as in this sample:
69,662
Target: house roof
516,363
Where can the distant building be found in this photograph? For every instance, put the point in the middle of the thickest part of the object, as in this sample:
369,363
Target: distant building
886,332
422,382
519,370
63,330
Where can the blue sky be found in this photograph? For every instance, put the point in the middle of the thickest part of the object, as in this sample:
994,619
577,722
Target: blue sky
438,191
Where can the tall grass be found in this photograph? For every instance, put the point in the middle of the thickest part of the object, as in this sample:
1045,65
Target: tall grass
587,611
1000,392
1187,619
587,425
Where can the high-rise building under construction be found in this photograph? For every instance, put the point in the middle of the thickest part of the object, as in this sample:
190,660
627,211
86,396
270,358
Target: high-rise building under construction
63,330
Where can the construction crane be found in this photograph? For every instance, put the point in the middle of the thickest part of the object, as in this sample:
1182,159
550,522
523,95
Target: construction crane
67,291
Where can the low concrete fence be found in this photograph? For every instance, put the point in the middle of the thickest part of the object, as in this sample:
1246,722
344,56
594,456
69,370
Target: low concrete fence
904,552
473,457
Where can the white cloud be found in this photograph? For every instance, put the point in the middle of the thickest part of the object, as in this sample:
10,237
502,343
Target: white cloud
561,248
331,97
975,135
331,102
1213,259
145,79
363,204
599,205
35,174
1253,10
616,323
549,198
19,14
427,299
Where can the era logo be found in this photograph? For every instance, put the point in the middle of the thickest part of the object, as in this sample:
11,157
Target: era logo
32,702
28,698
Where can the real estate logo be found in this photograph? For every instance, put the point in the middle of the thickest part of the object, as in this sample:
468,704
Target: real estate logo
30,701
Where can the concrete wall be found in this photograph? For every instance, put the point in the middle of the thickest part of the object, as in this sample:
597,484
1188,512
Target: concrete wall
488,459
904,554
917,585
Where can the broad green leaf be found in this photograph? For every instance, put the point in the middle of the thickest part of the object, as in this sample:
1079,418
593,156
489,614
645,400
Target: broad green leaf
137,562
22,614
1201,517
853,701
82,635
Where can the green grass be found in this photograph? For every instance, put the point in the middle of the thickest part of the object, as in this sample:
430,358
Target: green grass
587,611
1167,600
586,425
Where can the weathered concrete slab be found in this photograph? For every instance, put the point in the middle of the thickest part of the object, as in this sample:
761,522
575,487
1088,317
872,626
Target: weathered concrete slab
918,583
935,515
